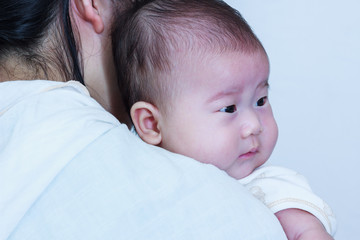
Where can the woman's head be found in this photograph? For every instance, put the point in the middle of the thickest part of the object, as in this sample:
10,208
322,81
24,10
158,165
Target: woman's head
61,40
38,35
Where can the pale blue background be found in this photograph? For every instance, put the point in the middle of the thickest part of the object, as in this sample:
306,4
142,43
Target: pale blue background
314,51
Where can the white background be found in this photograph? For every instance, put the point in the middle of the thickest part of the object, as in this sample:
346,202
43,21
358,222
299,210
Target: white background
314,51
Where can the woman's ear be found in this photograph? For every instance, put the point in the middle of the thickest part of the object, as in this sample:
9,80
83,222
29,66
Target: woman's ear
145,117
90,11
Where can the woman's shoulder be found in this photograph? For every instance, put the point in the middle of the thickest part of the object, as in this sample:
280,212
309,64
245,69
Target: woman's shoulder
43,126
138,191
59,98
13,92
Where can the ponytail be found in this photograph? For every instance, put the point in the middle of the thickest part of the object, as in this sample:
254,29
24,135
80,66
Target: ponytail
71,43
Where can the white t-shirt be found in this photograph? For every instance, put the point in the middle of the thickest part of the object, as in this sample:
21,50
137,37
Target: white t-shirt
70,170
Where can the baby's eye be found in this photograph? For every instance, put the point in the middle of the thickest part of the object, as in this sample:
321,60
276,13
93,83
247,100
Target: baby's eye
229,109
261,102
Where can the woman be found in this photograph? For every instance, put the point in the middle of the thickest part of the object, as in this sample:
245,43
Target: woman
69,169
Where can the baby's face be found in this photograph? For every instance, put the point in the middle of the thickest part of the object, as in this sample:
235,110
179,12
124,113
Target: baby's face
223,115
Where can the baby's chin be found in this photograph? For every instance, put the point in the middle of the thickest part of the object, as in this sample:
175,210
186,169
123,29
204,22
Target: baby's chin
243,171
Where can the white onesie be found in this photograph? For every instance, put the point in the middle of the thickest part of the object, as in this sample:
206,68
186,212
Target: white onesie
281,188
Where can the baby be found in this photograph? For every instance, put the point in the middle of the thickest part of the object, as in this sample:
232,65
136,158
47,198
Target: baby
195,81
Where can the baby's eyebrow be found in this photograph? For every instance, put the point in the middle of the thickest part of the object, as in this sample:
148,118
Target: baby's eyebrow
264,83
224,93
221,94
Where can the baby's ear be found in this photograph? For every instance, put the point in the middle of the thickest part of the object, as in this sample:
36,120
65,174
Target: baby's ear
145,117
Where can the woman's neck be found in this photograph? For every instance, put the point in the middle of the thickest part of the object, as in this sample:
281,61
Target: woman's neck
15,68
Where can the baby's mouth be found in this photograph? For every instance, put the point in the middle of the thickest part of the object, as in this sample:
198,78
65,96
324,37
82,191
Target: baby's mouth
249,154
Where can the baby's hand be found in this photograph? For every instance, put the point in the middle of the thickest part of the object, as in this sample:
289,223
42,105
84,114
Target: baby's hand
301,225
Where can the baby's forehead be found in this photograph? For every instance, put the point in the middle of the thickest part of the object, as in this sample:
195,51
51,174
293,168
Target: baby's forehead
202,60
203,55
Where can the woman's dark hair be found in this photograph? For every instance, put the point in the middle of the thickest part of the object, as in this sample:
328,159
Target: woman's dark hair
25,25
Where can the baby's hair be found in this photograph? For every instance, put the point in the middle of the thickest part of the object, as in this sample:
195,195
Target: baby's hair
149,35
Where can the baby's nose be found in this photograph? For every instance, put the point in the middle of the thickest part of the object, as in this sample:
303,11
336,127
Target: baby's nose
251,124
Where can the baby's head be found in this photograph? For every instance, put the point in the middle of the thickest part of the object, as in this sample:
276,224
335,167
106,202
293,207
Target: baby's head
195,80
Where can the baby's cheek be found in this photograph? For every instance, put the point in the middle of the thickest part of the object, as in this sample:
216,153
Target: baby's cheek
270,127
270,139
275,132
226,152
210,152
